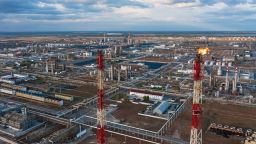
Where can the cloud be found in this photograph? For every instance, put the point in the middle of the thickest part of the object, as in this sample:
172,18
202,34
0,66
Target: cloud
58,7
128,14
246,7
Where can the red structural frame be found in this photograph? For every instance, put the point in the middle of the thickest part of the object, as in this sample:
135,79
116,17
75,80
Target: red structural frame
101,129
196,107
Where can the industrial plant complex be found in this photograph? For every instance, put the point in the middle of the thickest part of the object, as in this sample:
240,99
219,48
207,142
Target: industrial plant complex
128,87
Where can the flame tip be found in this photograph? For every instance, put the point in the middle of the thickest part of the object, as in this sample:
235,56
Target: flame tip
203,51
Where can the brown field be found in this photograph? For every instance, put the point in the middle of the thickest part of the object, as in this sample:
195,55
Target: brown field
128,113
32,102
157,59
85,91
228,114
113,139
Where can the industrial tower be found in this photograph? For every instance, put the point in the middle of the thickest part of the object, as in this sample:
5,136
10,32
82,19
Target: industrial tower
101,110
234,89
196,128
227,81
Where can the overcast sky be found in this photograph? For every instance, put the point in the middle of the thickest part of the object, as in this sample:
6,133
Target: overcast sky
127,15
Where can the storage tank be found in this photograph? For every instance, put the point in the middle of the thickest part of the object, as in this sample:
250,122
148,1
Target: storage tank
230,64
91,73
218,63
206,62
219,71
211,63
240,89
190,61
217,93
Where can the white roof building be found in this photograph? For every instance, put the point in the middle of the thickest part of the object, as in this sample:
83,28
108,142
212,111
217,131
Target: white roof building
142,93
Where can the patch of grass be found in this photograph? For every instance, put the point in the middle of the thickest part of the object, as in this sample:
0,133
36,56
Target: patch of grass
38,81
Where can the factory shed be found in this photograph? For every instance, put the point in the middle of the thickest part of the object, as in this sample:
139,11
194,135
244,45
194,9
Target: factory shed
141,93
162,108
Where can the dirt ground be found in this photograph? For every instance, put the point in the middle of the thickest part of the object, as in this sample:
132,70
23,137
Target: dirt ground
227,114
113,139
157,59
33,102
128,113
40,133
85,91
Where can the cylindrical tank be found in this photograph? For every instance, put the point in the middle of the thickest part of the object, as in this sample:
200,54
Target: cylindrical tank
219,72
91,73
230,64
217,93
248,132
211,63
240,90
206,62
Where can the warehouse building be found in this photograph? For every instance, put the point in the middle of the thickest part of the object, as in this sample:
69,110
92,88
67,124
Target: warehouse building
142,93
162,108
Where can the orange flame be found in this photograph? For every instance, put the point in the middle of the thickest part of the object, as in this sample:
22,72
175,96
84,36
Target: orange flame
203,51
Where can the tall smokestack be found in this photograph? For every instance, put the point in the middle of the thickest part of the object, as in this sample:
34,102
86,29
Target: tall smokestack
227,82
47,67
52,68
235,81
111,72
118,75
104,39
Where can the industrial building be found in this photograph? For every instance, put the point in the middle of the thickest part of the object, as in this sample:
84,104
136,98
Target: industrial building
9,87
162,108
142,93
17,120
15,78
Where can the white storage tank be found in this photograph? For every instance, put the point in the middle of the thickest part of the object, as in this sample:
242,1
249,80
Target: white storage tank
91,73
219,71
95,72
211,63
206,62
217,93
230,64
217,63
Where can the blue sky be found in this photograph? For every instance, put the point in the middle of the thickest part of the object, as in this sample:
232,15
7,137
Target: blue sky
127,15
